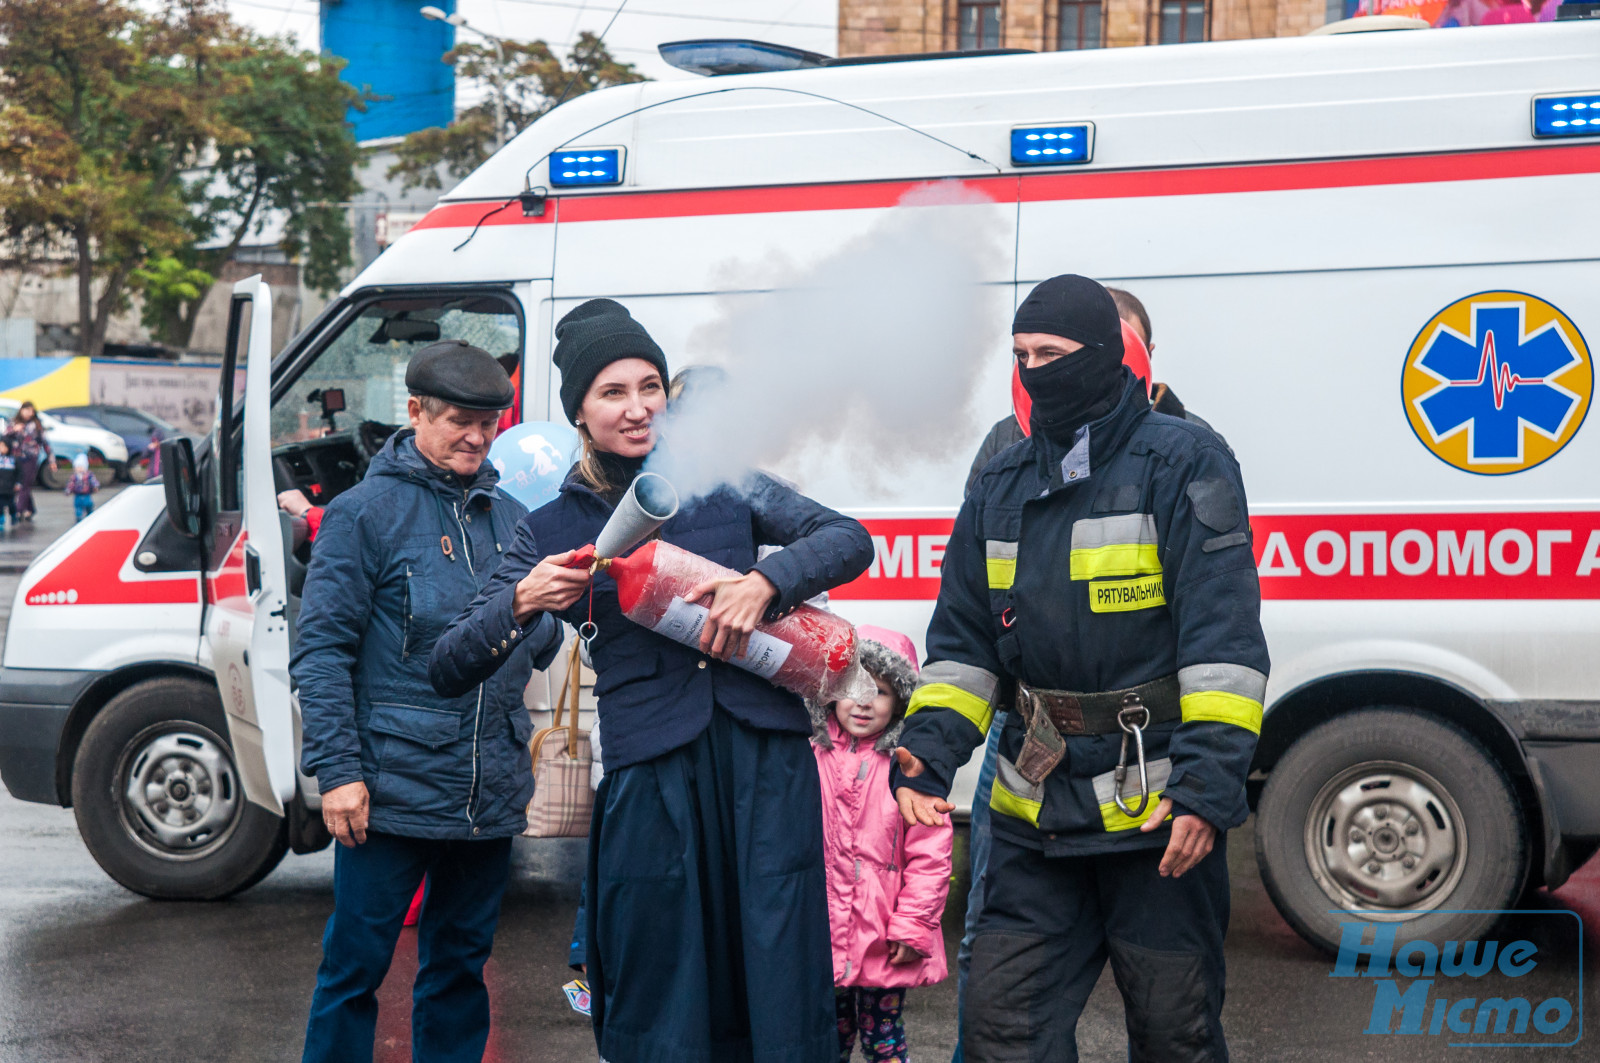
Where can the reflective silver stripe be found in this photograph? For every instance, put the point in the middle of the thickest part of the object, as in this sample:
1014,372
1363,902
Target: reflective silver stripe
975,681
1007,775
1229,678
1105,786
994,550
1128,529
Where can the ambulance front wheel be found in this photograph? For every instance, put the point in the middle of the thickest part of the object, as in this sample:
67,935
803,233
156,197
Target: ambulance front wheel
1394,814
159,802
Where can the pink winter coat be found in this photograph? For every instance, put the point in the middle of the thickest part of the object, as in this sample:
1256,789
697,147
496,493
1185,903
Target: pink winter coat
886,881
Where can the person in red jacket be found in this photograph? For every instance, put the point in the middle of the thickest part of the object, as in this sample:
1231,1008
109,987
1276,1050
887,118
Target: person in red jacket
886,882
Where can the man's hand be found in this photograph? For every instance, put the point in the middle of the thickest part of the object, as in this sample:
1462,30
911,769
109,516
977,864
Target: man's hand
901,953
293,502
737,606
549,587
344,811
1192,838
916,806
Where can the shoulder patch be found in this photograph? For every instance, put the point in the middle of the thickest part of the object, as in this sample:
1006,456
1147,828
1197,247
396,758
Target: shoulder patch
1216,504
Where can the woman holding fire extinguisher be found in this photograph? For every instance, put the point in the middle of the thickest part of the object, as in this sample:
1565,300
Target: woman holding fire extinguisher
708,922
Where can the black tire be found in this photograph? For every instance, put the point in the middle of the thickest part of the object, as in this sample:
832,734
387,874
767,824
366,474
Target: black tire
197,838
51,478
1334,828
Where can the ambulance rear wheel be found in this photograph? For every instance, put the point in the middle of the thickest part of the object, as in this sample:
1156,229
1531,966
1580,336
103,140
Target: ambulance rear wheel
158,799
1395,814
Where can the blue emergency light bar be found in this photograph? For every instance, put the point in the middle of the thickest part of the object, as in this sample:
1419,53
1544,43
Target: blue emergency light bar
1052,145
576,167
1567,116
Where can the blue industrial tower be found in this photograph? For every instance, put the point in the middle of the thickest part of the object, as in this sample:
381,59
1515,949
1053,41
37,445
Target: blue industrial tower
393,52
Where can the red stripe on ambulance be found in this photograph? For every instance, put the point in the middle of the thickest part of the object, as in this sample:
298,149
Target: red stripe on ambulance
1331,557
1428,556
1038,188
907,557
92,575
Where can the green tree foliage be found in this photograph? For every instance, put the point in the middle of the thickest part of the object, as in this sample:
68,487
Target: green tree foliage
533,80
133,134
171,289
104,105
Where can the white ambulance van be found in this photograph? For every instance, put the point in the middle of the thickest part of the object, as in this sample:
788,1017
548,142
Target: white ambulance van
1371,261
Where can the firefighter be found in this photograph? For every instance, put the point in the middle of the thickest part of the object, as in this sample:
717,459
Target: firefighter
1100,584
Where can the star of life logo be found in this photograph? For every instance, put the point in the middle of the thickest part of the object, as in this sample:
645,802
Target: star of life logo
1497,382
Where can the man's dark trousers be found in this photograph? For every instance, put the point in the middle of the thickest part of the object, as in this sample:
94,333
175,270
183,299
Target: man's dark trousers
1046,930
373,885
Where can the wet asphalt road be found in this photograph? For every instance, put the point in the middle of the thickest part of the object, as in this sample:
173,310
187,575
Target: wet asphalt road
90,972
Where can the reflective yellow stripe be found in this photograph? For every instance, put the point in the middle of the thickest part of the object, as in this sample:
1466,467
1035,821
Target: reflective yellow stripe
1126,595
1003,801
1114,818
1219,706
1001,560
1157,771
947,696
1118,559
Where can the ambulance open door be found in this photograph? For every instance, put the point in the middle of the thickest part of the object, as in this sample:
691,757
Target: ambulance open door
246,623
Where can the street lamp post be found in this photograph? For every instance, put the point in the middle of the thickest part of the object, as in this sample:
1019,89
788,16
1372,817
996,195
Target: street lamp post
459,21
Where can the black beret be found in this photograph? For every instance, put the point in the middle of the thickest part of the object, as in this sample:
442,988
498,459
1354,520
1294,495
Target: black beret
590,337
460,374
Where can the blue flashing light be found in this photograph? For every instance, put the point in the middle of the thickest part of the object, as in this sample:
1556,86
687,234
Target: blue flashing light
1567,116
576,167
1052,145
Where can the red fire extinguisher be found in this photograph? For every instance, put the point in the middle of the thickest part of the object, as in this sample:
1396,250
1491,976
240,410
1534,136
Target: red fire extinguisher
809,651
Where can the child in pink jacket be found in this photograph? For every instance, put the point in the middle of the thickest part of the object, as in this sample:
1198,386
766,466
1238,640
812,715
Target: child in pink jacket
886,882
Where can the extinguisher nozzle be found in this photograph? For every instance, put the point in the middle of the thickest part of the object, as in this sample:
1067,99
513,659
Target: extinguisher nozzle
649,503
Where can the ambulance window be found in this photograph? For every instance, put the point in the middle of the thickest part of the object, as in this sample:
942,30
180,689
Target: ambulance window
367,361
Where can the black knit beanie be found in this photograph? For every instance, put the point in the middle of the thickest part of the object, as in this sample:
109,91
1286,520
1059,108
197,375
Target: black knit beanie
590,337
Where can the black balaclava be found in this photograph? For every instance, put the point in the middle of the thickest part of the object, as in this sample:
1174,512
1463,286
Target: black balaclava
1070,392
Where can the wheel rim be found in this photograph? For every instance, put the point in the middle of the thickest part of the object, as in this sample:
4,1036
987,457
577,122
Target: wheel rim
180,793
1387,839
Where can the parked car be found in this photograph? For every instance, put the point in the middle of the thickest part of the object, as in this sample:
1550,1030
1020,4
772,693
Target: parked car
67,441
134,426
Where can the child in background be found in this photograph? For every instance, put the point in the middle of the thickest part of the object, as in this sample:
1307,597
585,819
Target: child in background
886,882
82,487
8,484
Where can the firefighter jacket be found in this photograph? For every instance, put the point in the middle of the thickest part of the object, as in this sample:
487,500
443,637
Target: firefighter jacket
1123,560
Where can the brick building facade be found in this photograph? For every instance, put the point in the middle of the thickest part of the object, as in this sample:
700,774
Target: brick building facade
886,27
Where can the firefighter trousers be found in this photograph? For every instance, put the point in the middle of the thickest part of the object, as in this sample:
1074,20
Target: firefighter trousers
1049,924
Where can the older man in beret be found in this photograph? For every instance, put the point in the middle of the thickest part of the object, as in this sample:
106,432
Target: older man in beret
412,783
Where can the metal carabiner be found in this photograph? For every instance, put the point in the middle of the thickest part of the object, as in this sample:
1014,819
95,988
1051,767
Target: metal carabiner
1132,706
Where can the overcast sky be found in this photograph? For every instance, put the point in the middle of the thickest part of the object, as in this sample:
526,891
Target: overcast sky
809,24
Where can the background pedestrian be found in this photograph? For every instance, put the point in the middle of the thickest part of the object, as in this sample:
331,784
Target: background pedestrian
30,448
82,485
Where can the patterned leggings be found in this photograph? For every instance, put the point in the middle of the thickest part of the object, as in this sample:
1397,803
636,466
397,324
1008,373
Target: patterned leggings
875,1014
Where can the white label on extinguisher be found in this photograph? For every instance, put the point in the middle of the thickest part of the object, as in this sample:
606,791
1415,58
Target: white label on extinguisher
682,624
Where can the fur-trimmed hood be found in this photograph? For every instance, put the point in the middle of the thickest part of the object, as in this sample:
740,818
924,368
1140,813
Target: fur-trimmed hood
882,662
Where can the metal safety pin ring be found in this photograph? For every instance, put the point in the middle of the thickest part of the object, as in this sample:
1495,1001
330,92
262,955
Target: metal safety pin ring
587,631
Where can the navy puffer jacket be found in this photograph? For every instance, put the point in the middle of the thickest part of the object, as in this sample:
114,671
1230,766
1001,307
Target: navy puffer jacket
380,590
656,695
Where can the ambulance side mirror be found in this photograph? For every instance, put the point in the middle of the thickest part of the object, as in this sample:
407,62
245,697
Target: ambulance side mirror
181,482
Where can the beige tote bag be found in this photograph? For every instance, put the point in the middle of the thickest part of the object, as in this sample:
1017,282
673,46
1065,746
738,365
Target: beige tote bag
562,801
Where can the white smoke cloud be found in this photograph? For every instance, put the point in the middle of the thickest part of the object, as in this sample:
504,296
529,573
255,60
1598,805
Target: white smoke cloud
870,356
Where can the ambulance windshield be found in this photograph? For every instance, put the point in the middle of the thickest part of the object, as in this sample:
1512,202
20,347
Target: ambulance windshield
367,361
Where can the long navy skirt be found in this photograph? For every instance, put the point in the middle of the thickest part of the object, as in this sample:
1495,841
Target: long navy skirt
708,913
